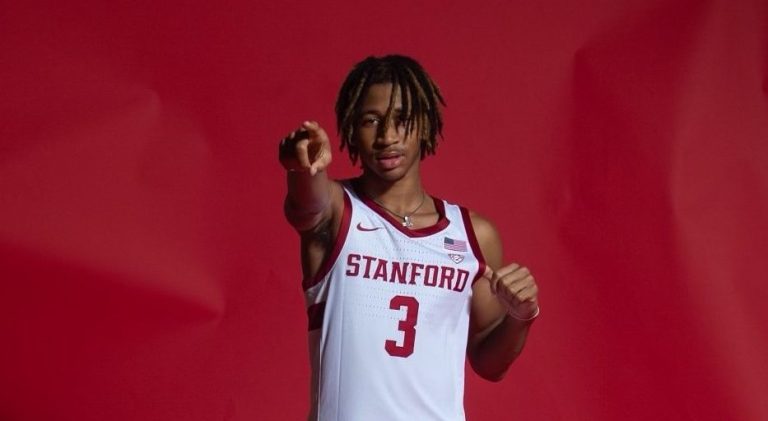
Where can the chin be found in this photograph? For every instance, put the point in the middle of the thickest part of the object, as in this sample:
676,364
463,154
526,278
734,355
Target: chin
392,175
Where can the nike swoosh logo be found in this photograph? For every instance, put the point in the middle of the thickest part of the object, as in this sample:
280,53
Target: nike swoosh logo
362,228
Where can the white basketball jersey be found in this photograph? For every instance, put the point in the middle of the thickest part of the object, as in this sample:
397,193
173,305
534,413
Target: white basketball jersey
389,316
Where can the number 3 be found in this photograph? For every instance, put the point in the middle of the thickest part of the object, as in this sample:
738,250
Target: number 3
407,326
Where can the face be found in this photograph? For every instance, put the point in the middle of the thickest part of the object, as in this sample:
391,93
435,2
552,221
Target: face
384,148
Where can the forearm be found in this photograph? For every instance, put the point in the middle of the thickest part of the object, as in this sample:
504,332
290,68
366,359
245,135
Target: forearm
308,198
305,154
492,356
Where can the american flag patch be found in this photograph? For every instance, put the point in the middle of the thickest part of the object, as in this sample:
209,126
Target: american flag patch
454,245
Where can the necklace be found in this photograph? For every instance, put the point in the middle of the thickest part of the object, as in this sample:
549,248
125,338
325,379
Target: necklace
407,222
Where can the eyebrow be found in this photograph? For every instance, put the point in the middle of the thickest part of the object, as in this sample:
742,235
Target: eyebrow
398,110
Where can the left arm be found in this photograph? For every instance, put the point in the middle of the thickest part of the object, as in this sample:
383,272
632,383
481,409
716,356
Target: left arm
504,305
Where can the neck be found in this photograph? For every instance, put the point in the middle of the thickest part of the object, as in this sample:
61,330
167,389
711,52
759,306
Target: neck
400,196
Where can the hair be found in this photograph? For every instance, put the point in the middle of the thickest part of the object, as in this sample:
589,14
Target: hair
421,100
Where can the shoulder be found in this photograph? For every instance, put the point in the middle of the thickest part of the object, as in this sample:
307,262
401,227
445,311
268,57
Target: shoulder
488,238
484,228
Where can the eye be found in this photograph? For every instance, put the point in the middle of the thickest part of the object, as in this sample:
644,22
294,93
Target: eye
370,121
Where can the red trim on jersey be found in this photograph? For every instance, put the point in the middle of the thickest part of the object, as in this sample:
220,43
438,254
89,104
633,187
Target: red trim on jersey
473,243
341,237
440,225
315,314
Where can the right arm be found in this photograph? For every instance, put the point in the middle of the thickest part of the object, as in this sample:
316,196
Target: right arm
314,203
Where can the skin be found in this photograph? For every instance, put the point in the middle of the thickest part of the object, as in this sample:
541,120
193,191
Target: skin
390,160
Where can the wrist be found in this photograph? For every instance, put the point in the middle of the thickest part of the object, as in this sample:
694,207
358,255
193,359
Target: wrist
303,171
511,313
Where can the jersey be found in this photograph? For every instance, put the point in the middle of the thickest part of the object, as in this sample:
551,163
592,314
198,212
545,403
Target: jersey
389,316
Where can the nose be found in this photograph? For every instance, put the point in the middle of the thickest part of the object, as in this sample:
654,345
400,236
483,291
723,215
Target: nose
389,133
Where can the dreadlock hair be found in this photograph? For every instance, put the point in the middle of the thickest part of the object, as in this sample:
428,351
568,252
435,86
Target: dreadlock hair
421,100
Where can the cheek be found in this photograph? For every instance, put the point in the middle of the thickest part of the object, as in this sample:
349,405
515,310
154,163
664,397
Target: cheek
364,135
414,143
362,144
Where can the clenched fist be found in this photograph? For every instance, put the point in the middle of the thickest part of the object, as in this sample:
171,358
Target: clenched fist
515,287
306,149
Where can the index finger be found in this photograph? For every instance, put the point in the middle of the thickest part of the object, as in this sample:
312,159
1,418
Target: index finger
314,128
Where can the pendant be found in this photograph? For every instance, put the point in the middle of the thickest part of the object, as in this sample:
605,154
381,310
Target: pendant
407,222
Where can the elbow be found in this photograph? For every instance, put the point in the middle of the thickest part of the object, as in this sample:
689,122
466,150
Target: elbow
491,374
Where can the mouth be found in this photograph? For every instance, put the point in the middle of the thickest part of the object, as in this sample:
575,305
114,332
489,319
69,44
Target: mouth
389,160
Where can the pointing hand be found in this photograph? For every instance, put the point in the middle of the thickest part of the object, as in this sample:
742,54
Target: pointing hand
306,149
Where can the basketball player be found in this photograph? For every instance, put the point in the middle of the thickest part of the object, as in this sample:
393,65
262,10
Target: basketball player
399,285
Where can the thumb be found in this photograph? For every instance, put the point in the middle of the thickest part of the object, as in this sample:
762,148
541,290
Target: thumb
489,274
320,162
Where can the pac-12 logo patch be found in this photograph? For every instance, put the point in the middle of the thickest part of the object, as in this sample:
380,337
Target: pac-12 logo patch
457,258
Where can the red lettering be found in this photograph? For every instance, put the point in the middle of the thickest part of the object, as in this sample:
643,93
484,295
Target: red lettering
430,275
462,281
446,276
381,271
398,272
368,260
353,267
415,272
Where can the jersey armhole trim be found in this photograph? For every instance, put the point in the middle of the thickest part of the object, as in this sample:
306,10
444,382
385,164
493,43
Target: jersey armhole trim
473,243
338,244
315,314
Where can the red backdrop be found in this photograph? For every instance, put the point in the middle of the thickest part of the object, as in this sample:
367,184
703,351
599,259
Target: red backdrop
147,273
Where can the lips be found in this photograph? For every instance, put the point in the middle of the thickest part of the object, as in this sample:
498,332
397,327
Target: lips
389,161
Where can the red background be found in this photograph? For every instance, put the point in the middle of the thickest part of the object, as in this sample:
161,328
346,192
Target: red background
147,272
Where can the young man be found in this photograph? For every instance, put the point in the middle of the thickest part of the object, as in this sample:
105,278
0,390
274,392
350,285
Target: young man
399,285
